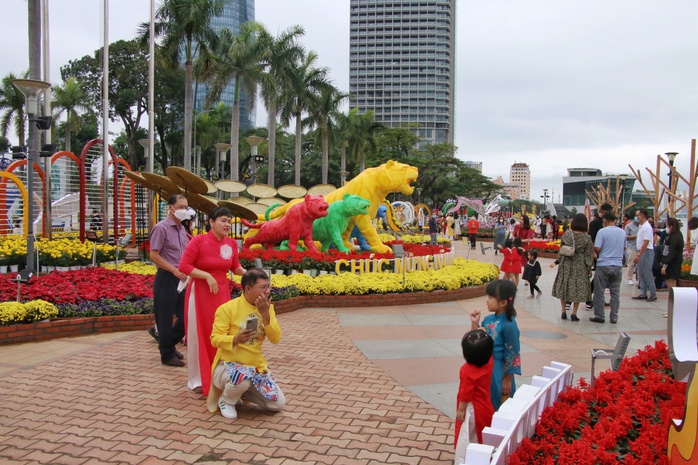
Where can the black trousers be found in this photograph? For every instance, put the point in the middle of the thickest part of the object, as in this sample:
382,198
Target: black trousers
168,304
532,284
473,238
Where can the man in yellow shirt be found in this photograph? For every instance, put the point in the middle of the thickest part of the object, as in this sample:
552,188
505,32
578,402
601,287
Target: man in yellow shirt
239,368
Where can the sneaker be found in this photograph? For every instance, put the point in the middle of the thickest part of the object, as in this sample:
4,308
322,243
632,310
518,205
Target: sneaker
589,306
539,294
652,299
530,297
614,321
228,411
631,282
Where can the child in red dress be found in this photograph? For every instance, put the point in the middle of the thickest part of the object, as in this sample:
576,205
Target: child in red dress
475,380
511,265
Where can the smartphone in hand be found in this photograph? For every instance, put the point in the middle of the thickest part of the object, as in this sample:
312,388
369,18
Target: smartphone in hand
252,323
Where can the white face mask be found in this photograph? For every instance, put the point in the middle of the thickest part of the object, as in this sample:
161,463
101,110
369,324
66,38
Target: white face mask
181,214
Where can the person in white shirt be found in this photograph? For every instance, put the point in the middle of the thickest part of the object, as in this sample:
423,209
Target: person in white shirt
693,226
645,258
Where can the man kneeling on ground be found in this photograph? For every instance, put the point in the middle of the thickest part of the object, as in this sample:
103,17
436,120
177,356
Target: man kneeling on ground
239,329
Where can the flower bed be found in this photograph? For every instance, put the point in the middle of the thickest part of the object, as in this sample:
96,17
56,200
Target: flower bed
624,418
549,247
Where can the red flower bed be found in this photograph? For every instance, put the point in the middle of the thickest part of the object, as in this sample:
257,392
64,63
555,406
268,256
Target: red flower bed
544,246
624,418
59,287
289,257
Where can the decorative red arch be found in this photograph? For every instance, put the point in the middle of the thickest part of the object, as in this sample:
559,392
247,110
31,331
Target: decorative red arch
3,194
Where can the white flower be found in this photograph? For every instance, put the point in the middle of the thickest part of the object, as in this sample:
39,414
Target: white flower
226,252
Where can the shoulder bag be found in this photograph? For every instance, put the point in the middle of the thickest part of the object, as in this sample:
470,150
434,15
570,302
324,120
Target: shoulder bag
567,250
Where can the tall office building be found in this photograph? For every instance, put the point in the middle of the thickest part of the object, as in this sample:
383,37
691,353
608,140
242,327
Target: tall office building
235,13
402,63
520,175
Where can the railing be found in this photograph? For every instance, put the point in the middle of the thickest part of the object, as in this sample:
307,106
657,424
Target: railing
517,417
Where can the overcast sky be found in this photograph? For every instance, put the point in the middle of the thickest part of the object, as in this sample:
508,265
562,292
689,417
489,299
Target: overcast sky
579,83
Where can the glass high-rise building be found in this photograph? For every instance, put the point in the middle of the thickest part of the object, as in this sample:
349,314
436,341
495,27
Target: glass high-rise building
402,63
235,13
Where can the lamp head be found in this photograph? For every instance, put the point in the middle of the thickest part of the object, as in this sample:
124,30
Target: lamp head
31,89
672,156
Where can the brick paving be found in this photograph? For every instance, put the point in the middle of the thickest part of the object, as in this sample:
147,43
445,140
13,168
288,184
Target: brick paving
116,403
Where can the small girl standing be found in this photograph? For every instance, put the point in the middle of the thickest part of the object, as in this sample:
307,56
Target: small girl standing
475,380
502,327
532,273
511,265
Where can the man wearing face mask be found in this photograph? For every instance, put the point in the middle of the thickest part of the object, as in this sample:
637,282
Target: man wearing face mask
167,242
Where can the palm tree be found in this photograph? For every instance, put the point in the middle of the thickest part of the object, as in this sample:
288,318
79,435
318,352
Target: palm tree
305,79
239,58
360,132
186,27
12,103
280,55
69,98
323,110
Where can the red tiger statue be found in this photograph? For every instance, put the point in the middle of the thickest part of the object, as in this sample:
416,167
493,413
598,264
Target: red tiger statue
296,224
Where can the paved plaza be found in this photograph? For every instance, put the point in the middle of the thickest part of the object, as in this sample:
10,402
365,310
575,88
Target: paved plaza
364,385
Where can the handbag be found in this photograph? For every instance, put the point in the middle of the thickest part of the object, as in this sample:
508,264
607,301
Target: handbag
567,250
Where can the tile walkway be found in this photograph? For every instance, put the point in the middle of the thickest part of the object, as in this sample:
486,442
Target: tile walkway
364,385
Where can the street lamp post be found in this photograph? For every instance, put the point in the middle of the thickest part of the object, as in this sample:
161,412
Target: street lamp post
254,142
32,89
198,157
221,151
545,199
670,200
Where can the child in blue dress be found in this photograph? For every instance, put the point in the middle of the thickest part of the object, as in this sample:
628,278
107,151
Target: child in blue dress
502,327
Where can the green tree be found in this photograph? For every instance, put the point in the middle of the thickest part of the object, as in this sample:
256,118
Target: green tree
185,26
280,55
12,106
68,98
128,86
239,58
397,143
323,114
360,133
305,79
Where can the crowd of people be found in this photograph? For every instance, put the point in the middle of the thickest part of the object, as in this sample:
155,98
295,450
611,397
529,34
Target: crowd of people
225,336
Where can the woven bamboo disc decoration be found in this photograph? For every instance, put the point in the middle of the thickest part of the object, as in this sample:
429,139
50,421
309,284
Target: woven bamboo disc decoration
261,190
271,201
226,185
240,200
321,189
258,208
137,178
238,210
188,181
291,191
212,189
202,203
163,186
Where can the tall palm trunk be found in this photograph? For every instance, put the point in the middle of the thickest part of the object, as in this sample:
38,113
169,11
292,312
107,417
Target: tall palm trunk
271,133
68,134
299,140
325,156
188,111
235,137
